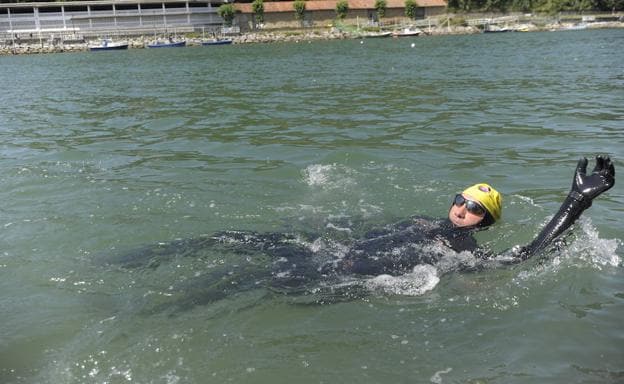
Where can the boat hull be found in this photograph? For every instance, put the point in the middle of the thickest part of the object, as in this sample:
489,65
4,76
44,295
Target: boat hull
167,45
117,47
407,34
217,42
377,35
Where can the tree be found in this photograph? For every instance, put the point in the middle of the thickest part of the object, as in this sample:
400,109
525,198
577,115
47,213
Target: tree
300,7
342,7
411,8
380,7
258,10
226,11
613,5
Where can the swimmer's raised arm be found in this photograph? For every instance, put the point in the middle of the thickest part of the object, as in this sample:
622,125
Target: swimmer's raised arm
585,188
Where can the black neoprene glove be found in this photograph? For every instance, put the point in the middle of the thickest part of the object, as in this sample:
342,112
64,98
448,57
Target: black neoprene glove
585,187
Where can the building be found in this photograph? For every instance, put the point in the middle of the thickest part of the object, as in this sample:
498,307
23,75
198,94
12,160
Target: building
281,14
85,19
89,18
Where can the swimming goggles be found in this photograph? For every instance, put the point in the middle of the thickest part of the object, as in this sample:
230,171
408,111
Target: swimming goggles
471,206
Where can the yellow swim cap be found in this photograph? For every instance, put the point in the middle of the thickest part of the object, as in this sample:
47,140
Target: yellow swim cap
489,198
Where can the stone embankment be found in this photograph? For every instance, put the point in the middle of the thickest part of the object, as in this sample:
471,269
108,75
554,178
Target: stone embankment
23,47
35,46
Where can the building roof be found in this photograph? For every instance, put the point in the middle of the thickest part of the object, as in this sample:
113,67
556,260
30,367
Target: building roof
330,5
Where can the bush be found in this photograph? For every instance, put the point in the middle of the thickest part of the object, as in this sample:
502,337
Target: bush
300,7
342,7
411,8
458,22
258,9
380,7
227,11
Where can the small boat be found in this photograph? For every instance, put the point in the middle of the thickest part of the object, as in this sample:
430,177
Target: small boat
407,32
167,44
377,34
217,42
576,27
109,45
496,29
523,28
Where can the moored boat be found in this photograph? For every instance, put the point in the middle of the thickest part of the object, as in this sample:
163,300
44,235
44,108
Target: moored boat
407,32
217,42
167,44
377,34
576,27
496,29
109,45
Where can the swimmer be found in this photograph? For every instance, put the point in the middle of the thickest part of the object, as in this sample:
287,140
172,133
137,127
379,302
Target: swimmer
397,248
477,207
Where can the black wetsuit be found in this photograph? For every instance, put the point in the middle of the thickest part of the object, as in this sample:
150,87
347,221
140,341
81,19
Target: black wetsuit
394,249
398,248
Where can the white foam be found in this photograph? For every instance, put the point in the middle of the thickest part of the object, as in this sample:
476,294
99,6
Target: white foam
590,247
318,174
436,378
334,248
422,279
328,176
337,228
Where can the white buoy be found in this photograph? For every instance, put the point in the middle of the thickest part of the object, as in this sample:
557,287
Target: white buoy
413,45
361,41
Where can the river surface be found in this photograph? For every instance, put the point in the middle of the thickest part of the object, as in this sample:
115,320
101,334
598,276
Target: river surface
105,153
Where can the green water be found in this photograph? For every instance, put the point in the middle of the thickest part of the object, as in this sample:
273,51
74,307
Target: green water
102,153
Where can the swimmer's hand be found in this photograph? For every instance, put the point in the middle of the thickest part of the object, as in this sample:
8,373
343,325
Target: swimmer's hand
588,187
585,188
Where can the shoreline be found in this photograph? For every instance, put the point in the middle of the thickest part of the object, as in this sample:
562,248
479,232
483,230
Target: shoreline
12,48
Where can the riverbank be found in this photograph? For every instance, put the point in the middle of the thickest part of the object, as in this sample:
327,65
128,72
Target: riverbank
35,46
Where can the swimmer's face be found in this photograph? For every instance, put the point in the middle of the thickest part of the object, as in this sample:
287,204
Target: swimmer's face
465,211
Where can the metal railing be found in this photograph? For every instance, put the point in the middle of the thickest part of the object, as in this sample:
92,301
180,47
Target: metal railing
97,22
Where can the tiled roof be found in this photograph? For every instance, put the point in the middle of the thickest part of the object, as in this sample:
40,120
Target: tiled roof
330,5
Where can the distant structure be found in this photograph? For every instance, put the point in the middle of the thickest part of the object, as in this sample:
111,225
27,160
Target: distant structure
281,14
88,19
108,17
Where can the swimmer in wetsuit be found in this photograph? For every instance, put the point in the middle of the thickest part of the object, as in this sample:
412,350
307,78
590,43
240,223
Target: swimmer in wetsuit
396,249
476,207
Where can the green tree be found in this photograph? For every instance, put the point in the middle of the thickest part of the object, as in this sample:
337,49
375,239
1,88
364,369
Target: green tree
613,5
411,8
342,7
380,7
227,11
535,6
258,9
300,7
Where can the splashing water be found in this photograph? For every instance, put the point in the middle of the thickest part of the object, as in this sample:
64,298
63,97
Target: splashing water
590,247
329,176
422,279
437,378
